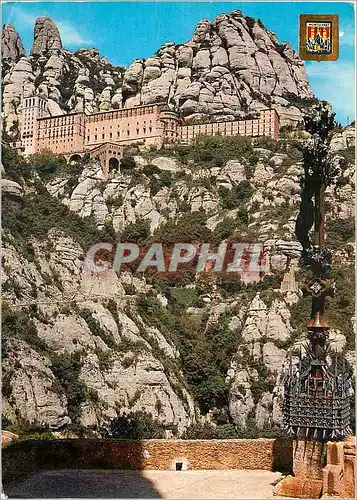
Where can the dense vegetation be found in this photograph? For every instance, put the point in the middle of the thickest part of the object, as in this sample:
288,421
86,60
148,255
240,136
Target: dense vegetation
40,211
215,151
206,347
136,425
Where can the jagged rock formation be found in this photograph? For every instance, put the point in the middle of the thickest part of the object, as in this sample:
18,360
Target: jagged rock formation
116,379
264,327
11,45
275,181
345,139
46,37
122,359
230,68
82,81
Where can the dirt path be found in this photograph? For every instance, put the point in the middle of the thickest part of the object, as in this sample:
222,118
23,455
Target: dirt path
145,484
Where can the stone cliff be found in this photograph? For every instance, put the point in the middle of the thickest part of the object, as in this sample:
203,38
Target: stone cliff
230,68
80,349
11,45
46,37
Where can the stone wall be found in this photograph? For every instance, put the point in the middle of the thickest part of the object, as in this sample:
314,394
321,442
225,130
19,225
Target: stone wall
25,456
321,469
339,475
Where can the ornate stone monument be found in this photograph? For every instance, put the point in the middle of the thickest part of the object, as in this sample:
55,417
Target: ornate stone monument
316,391
289,283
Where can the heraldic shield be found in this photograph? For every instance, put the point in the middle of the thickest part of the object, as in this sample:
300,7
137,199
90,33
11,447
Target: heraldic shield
319,38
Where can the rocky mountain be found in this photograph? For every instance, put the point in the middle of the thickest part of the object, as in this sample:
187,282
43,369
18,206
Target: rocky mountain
81,348
46,37
11,46
230,68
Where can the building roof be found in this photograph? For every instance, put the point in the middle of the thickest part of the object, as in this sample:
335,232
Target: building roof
59,116
157,104
107,143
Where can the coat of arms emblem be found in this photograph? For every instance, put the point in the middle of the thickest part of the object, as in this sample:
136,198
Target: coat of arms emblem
319,37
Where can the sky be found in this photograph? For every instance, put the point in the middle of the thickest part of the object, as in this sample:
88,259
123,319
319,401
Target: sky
124,31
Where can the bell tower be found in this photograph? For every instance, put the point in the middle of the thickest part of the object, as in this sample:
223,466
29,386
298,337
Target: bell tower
33,108
169,121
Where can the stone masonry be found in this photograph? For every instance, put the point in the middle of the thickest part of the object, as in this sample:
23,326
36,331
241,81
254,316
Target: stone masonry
155,125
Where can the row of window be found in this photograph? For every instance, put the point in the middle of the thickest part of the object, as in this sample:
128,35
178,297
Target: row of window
57,132
240,123
122,113
110,135
254,131
223,126
104,154
137,123
57,122
58,141
32,102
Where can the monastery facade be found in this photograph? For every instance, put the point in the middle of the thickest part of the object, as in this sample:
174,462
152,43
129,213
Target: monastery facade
104,135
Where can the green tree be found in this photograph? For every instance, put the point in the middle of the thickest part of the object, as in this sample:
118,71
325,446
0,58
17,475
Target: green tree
47,163
136,232
15,165
189,227
66,368
17,324
136,425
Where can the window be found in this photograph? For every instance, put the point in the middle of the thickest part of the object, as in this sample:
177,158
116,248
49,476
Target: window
110,135
128,132
95,137
102,136
88,138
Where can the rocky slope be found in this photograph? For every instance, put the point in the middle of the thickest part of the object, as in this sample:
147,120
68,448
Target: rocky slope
11,46
81,81
81,348
229,69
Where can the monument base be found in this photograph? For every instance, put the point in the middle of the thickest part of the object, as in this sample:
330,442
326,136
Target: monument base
312,478
298,487
308,466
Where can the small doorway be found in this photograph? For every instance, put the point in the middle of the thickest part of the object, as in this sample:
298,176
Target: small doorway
113,164
74,159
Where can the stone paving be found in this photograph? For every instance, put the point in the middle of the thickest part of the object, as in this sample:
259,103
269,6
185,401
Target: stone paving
145,484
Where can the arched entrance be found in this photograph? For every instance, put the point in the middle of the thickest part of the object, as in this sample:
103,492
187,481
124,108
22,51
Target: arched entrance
113,164
74,159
